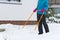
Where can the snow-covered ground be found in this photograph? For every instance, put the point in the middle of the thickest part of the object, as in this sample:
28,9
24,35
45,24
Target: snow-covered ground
16,32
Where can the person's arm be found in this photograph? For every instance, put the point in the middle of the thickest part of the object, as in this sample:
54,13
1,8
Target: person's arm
45,6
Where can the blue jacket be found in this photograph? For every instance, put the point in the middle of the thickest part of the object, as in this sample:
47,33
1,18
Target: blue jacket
42,4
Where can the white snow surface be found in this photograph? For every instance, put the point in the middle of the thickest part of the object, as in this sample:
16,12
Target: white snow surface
16,32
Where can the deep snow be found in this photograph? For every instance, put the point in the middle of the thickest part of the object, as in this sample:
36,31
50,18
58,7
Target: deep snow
16,32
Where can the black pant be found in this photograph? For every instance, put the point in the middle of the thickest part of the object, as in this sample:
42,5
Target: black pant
43,21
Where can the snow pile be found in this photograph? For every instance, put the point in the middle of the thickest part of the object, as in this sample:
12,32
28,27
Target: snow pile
16,32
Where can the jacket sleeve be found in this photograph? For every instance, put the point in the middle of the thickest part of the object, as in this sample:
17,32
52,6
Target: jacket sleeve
46,5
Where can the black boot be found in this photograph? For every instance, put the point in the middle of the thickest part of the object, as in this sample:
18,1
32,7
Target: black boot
40,33
47,31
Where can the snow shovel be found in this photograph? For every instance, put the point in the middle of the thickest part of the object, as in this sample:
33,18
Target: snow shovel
28,19
35,27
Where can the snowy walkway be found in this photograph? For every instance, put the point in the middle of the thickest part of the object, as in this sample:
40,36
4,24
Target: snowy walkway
15,32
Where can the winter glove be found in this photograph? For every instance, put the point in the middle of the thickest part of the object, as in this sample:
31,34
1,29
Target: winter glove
42,10
34,10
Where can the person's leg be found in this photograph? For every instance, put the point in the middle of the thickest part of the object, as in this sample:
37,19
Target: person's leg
40,30
45,24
